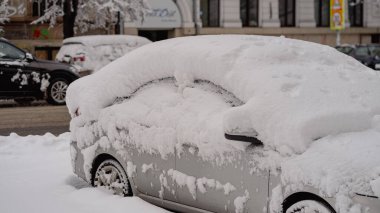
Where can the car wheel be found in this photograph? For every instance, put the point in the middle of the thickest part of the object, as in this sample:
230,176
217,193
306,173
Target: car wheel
56,91
111,176
310,206
24,101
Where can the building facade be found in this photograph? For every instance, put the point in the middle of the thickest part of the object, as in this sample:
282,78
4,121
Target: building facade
302,19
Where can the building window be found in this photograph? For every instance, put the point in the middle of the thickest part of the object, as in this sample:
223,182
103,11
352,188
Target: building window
355,13
249,12
322,13
287,9
39,7
210,13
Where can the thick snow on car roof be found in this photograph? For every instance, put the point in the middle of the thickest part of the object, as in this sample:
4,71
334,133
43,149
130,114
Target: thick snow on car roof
94,40
295,91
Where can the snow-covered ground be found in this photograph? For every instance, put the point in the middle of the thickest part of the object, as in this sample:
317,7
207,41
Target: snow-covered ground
36,177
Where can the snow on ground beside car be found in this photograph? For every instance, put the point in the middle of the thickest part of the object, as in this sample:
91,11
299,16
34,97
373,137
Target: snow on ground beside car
36,176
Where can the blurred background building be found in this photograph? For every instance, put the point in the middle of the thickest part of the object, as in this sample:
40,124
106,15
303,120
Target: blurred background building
302,19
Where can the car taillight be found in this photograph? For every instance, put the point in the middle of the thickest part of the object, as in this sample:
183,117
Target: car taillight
79,58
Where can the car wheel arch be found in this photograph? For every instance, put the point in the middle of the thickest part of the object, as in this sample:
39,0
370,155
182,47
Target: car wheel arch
301,196
62,74
106,156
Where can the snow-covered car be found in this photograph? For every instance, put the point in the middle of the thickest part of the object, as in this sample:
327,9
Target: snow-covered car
25,78
90,53
368,55
232,123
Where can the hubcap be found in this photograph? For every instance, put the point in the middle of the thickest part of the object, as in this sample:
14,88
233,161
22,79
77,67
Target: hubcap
307,206
110,178
58,91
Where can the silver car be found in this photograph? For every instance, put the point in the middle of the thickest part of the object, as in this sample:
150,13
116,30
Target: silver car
129,149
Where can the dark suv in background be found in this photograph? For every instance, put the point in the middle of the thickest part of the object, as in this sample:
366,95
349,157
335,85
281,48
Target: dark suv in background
25,78
368,55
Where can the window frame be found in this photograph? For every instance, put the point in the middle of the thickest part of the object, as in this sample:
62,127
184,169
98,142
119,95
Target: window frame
355,14
206,20
284,19
247,14
319,13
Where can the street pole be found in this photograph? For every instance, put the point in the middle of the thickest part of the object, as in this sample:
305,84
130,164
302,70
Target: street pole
338,37
196,15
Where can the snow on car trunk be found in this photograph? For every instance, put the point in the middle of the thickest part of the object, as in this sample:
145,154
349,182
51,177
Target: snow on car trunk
295,91
36,176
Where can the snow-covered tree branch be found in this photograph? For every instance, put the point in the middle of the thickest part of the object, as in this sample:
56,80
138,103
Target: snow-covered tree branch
90,14
5,13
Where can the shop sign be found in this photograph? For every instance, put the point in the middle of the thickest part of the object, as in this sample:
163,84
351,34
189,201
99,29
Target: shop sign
337,14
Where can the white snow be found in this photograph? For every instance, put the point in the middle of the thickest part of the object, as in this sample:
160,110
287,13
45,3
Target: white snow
182,180
98,50
240,202
350,160
295,91
146,167
36,176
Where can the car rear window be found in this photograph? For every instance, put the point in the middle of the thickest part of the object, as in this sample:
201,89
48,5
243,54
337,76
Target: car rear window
71,49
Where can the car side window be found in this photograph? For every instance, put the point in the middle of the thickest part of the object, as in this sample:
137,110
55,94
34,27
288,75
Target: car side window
169,80
362,51
9,52
227,96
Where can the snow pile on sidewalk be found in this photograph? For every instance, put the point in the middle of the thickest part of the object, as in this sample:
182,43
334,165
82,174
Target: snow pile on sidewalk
36,176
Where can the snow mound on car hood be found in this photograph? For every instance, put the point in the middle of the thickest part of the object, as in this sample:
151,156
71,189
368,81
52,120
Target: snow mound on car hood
295,91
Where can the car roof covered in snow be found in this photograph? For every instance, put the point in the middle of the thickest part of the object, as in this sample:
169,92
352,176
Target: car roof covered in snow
94,40
294,91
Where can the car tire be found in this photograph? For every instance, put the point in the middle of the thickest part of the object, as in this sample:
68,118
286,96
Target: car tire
56,91
309,206
111,176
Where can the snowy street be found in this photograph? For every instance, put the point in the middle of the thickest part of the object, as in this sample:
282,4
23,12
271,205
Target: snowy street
36,119
36,176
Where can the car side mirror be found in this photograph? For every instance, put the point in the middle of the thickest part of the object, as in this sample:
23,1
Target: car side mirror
29,57
238,126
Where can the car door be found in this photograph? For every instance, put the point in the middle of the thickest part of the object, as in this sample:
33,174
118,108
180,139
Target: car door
151,143
17,75
220,175
11,61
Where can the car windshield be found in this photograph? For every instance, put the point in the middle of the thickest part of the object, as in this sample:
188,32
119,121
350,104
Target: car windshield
7,51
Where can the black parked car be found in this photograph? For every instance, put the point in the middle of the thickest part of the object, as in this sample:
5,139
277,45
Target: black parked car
368,55
25,78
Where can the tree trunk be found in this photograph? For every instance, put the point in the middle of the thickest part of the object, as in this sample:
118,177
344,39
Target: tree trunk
70,8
